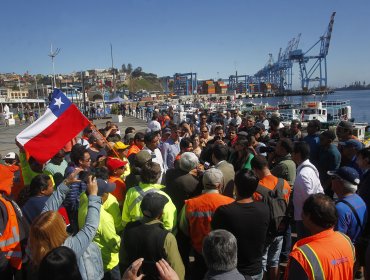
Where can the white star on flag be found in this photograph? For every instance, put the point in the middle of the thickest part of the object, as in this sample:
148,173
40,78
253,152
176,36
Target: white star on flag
58,102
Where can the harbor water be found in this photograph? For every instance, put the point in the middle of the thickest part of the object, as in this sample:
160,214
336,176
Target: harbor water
359,100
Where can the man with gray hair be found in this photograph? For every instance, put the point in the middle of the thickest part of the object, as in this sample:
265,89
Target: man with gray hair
181,183
220,254
350,206
197,213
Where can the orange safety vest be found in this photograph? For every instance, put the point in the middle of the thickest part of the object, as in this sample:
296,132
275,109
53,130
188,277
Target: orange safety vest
133,150
10,239
199,212
328,255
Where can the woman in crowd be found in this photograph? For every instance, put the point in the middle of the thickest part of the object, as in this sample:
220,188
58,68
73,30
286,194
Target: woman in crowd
48,231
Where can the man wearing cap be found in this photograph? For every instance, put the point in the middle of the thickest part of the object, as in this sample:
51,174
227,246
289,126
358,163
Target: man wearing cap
151,141
139,160
106,236
349,150
344,131
351,208
149,182
197,213
328,159
11,163
84,140
116,169
153,126
147,238
137,146
121,149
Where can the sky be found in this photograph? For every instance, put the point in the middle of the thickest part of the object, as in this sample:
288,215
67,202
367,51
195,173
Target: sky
212,38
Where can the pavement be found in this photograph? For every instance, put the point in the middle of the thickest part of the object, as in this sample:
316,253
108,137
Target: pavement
8,134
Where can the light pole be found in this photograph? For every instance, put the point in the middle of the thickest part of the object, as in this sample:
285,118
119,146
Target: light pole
53,54
37,96
83,75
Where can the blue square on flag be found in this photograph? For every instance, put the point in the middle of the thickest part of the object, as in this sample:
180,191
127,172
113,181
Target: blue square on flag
59,102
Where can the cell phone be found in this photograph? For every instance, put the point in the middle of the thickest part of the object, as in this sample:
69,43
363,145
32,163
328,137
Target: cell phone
148,268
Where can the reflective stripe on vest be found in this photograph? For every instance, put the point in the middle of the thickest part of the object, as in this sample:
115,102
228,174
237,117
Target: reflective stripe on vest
140,197
313,261
199,214
11,240
350,242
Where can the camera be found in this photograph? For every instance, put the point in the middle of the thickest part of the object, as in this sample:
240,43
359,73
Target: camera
267,149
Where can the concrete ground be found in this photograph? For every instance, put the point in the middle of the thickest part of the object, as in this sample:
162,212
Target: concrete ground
8,134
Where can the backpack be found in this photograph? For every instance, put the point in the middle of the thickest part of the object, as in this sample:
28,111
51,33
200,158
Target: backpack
278,206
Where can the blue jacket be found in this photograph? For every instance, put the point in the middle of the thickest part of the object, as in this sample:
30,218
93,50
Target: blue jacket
88,255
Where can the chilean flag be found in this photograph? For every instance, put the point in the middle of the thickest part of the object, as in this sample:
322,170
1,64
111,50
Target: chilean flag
61,122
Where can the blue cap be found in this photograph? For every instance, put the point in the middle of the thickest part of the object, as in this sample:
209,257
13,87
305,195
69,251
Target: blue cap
347,173
352,143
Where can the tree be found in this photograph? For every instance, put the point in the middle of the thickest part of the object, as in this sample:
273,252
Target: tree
137,72
124,69
129,68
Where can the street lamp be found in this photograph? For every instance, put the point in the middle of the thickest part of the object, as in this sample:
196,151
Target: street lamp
83,75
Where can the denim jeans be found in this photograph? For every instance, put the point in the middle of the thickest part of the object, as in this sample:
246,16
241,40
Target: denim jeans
272,252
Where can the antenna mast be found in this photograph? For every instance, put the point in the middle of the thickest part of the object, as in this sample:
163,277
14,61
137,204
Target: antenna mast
53,54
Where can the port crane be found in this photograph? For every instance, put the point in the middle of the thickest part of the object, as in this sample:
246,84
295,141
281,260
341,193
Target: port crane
316,71
185,84
239,83
279,73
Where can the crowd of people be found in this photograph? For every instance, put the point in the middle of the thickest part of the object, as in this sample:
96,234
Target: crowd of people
216,197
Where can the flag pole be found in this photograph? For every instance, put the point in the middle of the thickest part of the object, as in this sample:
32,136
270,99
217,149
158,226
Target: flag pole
103,137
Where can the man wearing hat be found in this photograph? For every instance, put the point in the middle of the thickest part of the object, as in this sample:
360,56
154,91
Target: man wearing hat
106,236
349,150
149,182
344,131
139,160
147,238
196,216
116,169
329,158
351,208
121,149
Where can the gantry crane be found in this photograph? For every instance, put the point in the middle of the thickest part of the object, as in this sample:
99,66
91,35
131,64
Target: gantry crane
185,84
309,73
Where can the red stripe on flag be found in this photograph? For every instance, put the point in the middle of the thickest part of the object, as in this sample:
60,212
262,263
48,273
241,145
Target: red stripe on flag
54,137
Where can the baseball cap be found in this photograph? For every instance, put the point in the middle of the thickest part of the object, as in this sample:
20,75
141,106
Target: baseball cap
167,130
104,186
115,163
212,177
142,157
346,173
129,137
154,126
152,204
260,126
346,125
243,133
329,135
352,143
10,155
120,146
